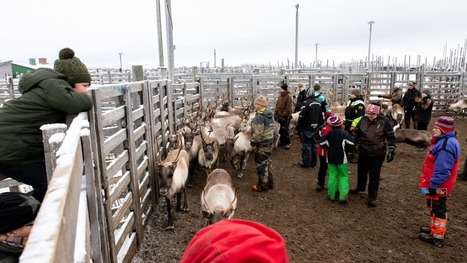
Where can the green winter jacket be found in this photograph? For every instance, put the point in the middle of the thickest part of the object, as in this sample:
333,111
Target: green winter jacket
46,99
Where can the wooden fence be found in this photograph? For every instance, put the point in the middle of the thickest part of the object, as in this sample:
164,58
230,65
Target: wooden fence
116,155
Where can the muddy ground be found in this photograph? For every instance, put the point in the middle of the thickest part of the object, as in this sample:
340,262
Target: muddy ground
319,230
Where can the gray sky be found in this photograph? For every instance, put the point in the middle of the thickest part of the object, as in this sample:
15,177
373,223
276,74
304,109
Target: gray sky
241,31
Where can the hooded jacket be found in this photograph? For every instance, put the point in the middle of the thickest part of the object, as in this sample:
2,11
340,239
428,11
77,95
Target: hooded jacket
262,127
46,98
441,163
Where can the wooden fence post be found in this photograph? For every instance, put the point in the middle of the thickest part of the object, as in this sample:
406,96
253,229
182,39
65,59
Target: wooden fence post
51,147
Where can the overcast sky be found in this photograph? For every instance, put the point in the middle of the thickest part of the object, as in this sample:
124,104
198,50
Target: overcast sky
241,31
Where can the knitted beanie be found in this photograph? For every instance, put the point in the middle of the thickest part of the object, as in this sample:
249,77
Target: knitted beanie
261,101
327,115
445,124
16,210
235,241
335,120
355,92
284,86
373,108
71,66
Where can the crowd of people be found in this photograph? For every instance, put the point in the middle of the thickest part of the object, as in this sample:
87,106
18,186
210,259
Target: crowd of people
366,136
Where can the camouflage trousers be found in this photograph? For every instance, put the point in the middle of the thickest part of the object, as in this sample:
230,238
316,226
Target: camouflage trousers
264,167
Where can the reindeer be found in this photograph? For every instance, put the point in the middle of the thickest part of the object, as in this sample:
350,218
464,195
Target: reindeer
396,115
218,199
419,138
173,174
208,153
238,149
459,107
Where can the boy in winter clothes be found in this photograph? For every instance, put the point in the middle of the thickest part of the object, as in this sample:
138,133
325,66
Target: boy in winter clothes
47,96
300,98
424,108
438,177
323,164
337,141
409,102
283,114
262,134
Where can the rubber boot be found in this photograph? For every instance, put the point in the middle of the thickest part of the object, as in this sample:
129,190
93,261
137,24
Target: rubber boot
425,229
428,238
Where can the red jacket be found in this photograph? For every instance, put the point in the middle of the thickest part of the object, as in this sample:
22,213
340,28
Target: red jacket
321,150
441,164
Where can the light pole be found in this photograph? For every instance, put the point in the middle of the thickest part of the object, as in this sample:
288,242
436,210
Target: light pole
296,37
120,54
316,55
369,45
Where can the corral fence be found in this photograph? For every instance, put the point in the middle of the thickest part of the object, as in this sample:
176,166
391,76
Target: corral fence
103,183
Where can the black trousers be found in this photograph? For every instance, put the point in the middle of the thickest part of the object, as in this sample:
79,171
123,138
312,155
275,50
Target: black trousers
284,131
33,174
323,168
369,169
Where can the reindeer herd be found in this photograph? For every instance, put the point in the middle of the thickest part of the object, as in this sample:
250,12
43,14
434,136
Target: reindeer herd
217,133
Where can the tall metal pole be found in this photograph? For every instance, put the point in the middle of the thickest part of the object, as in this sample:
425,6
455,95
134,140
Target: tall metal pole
369,45
120,54
316,55
214,58
296,37
159,33
170,40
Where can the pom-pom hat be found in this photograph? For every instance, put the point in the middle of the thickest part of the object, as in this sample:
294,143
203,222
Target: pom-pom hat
445,124
72,67
335,120
261,101
373,109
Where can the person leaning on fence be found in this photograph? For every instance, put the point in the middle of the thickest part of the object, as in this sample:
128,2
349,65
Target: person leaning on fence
262,135
309,120
236,241
424,107
300,97
376,137
47,96
17,213
283,114
409,103
439,173
337,141
395,96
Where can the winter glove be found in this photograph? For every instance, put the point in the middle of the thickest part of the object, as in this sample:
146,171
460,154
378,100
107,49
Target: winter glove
390,155
424,191
380,96
432,191
254,143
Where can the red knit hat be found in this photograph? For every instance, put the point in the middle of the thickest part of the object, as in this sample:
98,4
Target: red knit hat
236,240
445,124
327,115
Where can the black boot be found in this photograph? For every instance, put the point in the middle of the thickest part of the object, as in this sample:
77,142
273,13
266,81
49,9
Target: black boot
425,229
428,238
371,202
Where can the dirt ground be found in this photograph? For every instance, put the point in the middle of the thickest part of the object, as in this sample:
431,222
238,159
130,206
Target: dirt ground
319,230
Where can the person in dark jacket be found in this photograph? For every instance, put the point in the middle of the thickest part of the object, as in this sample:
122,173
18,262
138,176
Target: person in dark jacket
47,96
438,178
17,213
301,97
395,96
337,141
376,137
262,134
309,120
424,109
409,103
354,111
283,114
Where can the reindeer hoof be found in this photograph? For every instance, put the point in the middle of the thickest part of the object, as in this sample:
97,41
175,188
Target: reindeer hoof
189,185
171,228
240,175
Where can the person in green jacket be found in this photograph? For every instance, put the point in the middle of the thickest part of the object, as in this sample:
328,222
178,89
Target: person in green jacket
47,96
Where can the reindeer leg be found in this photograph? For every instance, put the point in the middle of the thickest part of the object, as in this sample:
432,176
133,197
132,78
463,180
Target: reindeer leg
179,203
185,202
170,221
191,170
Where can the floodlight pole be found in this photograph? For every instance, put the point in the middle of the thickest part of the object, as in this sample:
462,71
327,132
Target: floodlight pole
369,45
120,54
316,55
296,37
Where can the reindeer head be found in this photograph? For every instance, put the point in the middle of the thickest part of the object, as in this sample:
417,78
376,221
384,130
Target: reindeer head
166,172
218,213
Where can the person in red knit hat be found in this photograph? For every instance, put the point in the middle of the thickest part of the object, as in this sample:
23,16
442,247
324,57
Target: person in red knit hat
438,177
234,241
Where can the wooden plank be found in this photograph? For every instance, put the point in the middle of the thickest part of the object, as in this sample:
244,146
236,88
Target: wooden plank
114,140
117,164
124,231
118,215
119,187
